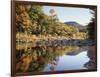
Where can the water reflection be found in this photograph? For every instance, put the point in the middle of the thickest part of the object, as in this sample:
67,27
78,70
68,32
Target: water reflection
69,62
91,64
44,58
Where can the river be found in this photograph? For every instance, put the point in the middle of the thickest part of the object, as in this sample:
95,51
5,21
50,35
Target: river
54,58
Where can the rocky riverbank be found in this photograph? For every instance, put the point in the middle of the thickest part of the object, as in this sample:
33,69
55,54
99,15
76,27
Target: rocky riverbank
64,42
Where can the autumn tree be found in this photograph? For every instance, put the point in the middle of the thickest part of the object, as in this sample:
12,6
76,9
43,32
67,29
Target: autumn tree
22,18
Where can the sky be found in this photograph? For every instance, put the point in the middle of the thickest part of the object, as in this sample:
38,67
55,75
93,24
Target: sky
65,14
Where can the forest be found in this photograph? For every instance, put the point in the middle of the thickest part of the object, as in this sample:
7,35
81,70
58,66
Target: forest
32,25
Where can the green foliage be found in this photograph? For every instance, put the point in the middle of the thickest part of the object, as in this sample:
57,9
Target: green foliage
30,19
91,28
91,25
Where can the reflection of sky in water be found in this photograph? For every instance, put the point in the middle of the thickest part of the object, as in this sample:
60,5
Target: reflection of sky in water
67,62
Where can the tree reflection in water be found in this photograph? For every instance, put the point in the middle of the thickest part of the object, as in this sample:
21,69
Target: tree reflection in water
35,59
91,64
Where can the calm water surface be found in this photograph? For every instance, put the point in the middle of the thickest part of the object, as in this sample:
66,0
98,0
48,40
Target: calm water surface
44,59
69,62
